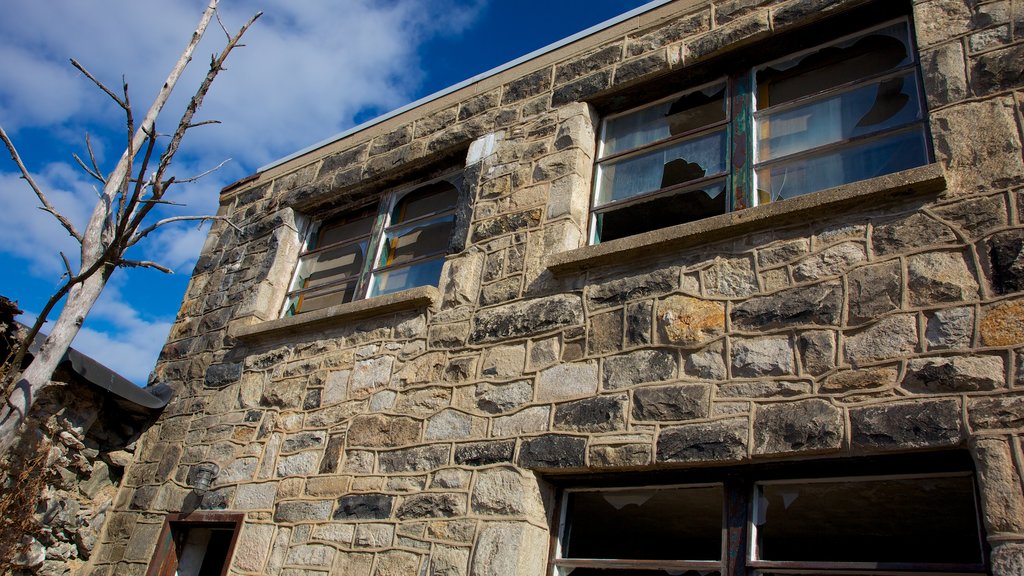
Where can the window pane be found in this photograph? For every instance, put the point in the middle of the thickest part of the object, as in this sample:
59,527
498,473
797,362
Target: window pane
866,159
565,571
882,520
687,112
864,110
424,273
661,211
683,523
436,197
675,164
331,265
345,230
417,241
875,53
317,299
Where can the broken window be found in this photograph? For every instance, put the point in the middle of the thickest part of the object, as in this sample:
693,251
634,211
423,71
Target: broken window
396,245
910,524
200,544
837,113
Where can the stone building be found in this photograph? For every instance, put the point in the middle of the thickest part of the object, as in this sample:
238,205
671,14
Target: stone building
727,286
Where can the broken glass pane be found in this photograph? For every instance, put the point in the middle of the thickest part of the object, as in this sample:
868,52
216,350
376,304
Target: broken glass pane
423,273
425,200
662,211
317,299
416,241
688,112
344,230
676,523
331,265
877,520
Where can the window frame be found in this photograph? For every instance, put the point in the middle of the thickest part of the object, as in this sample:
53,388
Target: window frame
376,239
166,554
742,124
740,515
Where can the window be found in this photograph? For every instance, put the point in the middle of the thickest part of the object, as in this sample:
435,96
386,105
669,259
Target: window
768,523
377,250
199,544
837,113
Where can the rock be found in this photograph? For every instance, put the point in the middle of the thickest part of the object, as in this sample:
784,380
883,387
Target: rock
499,398
311,555
998,70
119,458
1007,559
552,451
980,144
303,441
857,380
1006,259
221,375
507,223
830,261
765,356
935,277
370,374
913,231
526,318
484,453
303,510
448,561
994,413
364,507
626,455
730,277
955,374
509,549
605,334
950,328
890,337
637,367
815,304
1002,499
420,459
671,403
383,431
763,389
874,290
504,361
707,363
817,351
431,505
806,426
687,321
634,287
717,441
534,419
906,425
30,555
255,496
300,464
564,381
944,76
598,414
1003,324
505,492
98,480
448,425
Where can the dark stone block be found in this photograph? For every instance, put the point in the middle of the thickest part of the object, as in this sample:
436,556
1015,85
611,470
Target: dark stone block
801,12
391,140
364,507
343,160
602,58
253,416
332,454
477,105
431,506
312,400
725,37
954,374
637,367
1006,261
806,426
998,70
600,414
666,403
143,497
253,195
529,85
552,451
914,231
1002,412
907,425
418,459
526,318
302,441
816,304
976,216
638,324
875,290
639,286
484,453
221,375
640,67
721,440
581,89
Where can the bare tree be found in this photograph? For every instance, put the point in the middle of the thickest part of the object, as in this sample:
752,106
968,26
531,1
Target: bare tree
118,221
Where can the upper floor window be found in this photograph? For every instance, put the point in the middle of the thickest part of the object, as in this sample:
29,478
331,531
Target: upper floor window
837,113
396,245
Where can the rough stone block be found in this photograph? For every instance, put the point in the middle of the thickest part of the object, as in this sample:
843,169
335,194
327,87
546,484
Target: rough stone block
509,549
636,367
587,63
431,505
980,144
739,31
763,389
622,456
890,337
526,318
605,334
830,261
858,380
815,304
484,453
526,86
1006,260
420,459
793,427
688,321
764,356
1000,486
671,403
950,328
383,431
448,425
564,381
995,413
955,374
303,511
945,76
874,290
907,425
1003,324
998,70
914,231
707,363
620,290
500,398
506,492
552,451
730,277
935,277
598,414
717,441
364,507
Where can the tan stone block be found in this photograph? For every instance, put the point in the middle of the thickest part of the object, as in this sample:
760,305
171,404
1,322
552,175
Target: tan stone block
328,486
685,321
1000,485
1003,324
378,431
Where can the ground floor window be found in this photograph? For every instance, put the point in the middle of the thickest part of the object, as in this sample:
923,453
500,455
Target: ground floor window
914,517
197,544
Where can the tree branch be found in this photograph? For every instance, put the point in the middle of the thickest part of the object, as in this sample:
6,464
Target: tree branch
145,232
144,264
35,188
121,103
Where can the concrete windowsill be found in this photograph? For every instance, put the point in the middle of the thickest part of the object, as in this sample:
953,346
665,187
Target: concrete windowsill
411,299
928,179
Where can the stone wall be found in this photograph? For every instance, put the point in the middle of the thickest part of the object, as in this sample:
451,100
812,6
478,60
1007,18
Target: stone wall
418,439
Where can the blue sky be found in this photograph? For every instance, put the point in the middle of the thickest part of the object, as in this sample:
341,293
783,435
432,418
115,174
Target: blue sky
310,69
